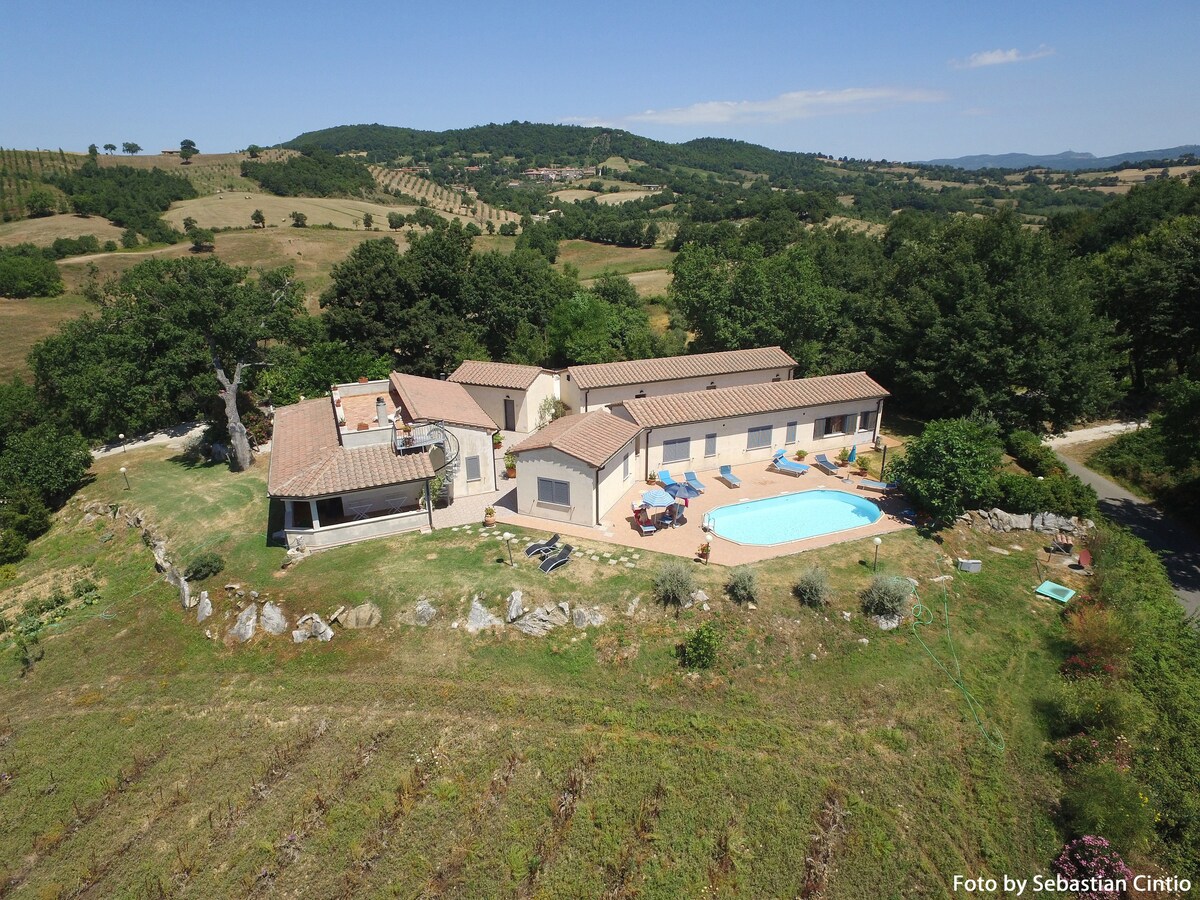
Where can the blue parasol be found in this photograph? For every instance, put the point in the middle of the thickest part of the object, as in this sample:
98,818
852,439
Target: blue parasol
853,454
681,490
657,497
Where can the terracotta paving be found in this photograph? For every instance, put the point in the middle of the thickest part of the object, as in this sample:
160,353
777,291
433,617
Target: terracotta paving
757,482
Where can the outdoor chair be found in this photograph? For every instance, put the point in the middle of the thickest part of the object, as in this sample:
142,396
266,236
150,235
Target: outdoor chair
823,463
725,473
696,483
867,484
542,547
562,557
1063,543
780,463
644,525
664,478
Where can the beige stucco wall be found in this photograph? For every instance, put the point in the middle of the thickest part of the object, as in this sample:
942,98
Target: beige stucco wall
613,483
732,434
473,442
599,398
526,403
551,463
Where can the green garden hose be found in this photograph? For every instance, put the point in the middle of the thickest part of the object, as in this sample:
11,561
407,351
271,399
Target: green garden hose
923,616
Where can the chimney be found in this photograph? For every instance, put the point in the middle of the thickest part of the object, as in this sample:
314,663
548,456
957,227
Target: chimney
381,412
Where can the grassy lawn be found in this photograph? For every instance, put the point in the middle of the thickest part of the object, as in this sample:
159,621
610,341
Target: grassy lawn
402,760
593,259
25,322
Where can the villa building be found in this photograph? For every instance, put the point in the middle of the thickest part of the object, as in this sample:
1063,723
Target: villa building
511,395
600,385
365,461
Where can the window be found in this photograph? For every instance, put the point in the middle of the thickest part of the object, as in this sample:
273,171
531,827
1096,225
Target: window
757,438
866,420
833,425
790,434
710,445
625,467
473,471
557,493
678,450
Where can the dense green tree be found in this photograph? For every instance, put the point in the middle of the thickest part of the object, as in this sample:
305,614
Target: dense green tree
26,271
110,149
540,237
47,459
585,328
312,174
299,220
203,240
395,220
368,220
258,219
40,203
295,372
129,147
950,467
187,149
991,318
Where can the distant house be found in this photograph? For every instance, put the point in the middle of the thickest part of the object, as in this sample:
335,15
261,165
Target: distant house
511,395
599,385
361,462
576,468
170,151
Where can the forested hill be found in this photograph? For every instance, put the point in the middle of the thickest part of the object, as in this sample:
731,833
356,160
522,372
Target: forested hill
1070,161
537,144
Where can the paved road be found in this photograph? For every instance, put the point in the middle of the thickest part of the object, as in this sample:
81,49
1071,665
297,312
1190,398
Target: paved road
1177,544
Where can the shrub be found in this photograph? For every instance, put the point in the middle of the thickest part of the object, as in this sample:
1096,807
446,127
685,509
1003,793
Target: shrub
1095,705
1092,858
674,583
1063,495
742,586
699,650
1101,799
1031,454
204,566
812,588
886,595
1100,636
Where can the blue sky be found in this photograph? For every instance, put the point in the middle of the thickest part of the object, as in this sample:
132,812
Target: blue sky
907,81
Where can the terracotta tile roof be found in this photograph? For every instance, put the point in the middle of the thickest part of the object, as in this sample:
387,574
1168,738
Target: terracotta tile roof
433,400
750,399
497,375
666,368
592,436
307,460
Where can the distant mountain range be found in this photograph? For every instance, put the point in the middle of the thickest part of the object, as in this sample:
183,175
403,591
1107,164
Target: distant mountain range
1070,161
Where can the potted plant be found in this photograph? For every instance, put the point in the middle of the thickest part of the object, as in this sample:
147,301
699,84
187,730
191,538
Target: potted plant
800,454
497,441
489,516
843,458
702,551
510,465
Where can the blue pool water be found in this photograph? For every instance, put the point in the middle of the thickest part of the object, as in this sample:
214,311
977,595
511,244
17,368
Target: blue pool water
792,517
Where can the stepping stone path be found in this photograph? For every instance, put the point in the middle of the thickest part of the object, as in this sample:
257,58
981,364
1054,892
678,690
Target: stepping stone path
1000,550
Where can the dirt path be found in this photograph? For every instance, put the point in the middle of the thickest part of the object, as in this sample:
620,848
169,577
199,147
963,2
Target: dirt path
1094,433
177,435
90,257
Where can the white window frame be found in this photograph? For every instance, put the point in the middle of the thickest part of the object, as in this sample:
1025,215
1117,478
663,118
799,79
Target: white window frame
548,486
827,431
867,416
673,455
758,431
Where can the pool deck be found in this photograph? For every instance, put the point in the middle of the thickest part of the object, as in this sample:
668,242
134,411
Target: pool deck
757,482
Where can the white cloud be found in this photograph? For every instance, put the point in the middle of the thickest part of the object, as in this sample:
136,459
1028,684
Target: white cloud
786,107
1000,57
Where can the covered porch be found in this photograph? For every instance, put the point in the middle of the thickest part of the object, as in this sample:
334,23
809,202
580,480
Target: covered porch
316,523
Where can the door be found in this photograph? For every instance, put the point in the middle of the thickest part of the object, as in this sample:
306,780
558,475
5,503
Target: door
510,414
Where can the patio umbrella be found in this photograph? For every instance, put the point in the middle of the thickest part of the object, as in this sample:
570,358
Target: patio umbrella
681,490
853,454
657,497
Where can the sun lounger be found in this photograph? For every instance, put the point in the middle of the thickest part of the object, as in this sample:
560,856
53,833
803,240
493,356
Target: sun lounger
562,557
541,548
725,473
696,483
780,463
643,523
867,484
664,478
1064,543
823,463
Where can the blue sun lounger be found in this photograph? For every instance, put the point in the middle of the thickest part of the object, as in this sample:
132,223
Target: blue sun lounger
780,463
696,483
883,487
725,473
664,478
823,463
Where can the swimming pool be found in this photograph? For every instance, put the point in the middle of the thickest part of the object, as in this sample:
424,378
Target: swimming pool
792,517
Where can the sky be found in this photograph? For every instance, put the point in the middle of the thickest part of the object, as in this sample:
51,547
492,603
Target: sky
898,81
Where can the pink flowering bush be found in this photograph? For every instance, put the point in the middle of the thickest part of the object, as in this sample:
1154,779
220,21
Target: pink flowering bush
1091,857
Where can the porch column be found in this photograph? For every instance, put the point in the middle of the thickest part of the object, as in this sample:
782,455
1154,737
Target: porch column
312,504
289,515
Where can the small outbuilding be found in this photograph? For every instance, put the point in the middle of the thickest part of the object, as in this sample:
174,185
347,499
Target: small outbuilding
510,394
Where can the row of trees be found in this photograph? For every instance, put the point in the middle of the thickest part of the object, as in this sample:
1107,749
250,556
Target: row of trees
314,173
